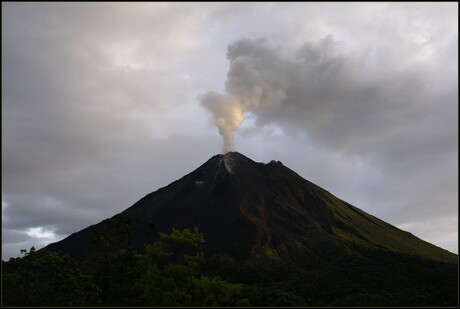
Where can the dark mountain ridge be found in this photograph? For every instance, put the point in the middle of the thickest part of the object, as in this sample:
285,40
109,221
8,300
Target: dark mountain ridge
248,209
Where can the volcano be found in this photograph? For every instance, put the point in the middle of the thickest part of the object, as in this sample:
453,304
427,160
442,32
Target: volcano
245,209
282,239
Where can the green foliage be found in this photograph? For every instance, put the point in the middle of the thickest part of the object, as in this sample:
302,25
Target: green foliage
175,246
118,233
216,292
366,277
174,272
186,239
48,279
115,273
173,278
166,274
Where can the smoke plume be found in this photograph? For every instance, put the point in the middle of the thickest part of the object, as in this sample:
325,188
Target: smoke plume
321,88
228,115
255,76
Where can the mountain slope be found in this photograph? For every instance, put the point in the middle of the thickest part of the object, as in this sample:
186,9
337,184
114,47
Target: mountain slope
246,209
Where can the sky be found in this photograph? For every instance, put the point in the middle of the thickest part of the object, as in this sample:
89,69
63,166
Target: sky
104,103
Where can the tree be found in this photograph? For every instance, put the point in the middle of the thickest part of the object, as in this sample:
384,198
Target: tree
45,278
173,277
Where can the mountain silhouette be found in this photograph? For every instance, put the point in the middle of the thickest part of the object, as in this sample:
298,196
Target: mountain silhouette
245,209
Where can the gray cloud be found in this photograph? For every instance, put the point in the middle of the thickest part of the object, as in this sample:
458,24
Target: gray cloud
14,236
345,101
99,105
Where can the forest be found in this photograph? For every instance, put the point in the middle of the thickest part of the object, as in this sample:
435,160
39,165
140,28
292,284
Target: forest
174,271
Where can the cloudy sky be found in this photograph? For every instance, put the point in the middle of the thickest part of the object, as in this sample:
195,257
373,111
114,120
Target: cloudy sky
105,103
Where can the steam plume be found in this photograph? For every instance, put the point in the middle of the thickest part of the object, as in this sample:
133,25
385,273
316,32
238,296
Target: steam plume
322,89
251,80
228,115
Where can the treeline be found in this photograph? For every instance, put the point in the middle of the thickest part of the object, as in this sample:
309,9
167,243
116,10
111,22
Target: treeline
168,273
367,278
173,271
165,275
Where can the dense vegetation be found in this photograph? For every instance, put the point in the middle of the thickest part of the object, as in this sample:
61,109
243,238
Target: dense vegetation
174,272
166,274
